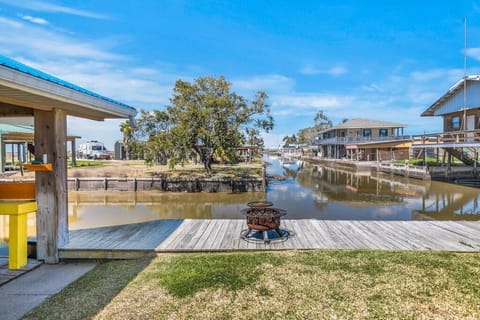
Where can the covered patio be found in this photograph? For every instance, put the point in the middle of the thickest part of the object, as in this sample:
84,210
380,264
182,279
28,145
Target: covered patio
27,92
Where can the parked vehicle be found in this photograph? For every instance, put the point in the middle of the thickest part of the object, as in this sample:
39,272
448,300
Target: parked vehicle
93,150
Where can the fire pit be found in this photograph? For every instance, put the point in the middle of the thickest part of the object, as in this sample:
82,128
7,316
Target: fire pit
262,218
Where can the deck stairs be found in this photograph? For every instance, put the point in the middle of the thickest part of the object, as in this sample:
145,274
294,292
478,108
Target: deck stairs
461,155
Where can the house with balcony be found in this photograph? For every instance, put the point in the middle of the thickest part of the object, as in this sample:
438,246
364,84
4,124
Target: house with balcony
364,140
459,108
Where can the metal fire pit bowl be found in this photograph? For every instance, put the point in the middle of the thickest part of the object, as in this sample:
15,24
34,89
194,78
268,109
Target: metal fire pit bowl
263,223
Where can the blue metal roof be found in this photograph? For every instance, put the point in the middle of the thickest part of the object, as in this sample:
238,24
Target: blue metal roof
12,64
7,128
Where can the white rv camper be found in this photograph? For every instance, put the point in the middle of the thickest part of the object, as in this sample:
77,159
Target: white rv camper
93,150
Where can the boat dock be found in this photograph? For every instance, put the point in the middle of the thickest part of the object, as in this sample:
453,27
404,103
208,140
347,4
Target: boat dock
215,235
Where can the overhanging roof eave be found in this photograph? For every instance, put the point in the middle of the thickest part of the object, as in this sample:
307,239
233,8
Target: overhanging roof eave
74,102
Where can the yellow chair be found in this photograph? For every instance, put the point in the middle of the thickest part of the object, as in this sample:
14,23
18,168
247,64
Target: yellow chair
17,199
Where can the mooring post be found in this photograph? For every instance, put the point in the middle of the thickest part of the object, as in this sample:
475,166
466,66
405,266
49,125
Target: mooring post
264,177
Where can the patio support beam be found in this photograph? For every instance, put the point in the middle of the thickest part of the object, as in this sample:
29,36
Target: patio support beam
10,110
51,186
74,153
2,154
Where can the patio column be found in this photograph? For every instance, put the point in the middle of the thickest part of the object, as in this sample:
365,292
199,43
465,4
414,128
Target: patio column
2,154
51,186
74,153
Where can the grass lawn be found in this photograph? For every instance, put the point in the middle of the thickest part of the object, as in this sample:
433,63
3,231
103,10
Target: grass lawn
282,285
88,163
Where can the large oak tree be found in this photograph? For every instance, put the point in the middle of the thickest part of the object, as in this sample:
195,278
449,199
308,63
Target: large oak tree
206,118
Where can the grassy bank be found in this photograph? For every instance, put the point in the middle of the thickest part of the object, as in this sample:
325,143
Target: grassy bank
282,285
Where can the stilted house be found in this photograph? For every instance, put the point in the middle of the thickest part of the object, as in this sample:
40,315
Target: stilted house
460,109
27,92
364,140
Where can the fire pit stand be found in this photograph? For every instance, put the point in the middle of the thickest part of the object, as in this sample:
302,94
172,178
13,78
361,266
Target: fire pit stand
263,219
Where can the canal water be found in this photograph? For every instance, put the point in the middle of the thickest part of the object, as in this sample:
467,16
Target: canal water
305,191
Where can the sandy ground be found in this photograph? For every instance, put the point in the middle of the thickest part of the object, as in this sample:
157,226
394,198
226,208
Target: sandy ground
138,169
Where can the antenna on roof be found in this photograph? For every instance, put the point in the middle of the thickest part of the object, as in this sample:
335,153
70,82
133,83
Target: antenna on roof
465,75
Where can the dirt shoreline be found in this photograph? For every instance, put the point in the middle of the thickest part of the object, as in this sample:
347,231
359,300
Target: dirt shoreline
136,176
138,169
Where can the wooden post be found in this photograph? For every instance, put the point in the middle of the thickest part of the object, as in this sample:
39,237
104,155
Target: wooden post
51,186
74,153
2,154
264,177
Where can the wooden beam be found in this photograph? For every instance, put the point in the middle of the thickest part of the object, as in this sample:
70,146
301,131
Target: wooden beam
25,103
51,187
9,110
2,154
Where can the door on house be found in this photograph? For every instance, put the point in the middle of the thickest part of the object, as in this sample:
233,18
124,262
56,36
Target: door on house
470,126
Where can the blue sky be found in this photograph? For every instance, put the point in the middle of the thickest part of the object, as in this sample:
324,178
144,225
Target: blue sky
385,60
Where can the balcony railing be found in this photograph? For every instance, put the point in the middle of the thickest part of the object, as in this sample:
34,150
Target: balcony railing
360,140
448,137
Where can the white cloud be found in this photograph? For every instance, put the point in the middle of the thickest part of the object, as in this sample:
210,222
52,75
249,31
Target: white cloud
34,39
337,70
311,101
9,23
36,20
473,53
269,83
373,87
310,69
43,6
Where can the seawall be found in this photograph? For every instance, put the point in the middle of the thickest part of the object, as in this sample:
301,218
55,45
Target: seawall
168,184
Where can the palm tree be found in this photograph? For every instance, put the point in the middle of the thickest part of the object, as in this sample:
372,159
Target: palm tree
127,130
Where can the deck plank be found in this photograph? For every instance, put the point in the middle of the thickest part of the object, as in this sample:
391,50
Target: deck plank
196,235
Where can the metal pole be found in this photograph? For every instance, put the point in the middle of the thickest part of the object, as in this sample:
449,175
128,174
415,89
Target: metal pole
465,76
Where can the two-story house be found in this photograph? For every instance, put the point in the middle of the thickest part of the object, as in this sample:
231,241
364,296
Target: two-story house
364,139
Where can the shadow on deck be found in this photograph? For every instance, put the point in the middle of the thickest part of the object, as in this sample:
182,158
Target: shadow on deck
118,242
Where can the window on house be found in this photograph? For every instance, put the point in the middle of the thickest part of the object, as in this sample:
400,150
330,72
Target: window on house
456,123
383,133
367,132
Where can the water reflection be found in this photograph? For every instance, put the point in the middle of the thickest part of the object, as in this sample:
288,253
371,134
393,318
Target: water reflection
317,192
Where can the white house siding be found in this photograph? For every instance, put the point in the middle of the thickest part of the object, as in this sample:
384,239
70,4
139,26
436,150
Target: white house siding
455,102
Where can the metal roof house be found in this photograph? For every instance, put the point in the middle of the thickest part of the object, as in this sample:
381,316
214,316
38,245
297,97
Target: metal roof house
459,106
28,92
364,139
460,109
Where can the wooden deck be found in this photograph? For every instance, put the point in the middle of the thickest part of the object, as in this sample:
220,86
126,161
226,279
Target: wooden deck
133,240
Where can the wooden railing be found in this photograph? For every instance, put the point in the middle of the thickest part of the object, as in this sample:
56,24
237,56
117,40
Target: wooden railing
450,136
354,140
